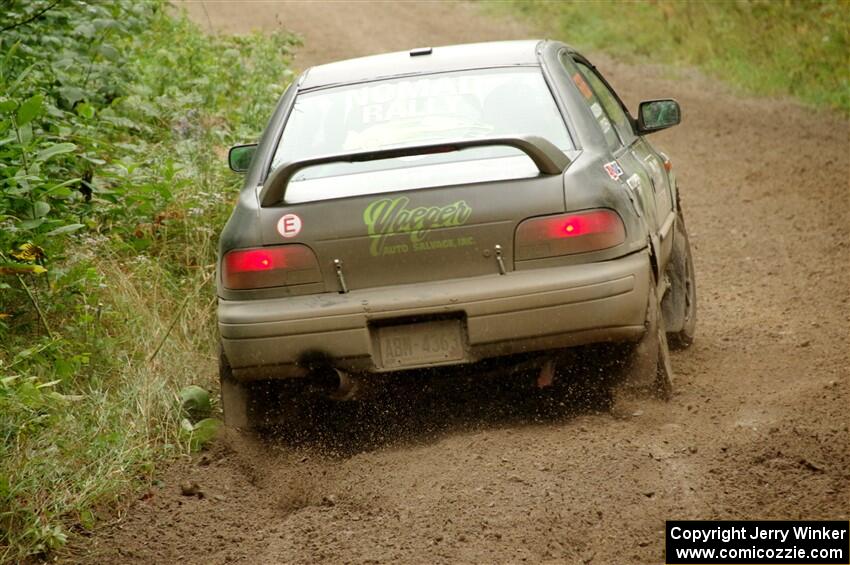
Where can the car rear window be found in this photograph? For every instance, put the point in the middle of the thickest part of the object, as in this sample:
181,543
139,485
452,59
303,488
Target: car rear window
418,110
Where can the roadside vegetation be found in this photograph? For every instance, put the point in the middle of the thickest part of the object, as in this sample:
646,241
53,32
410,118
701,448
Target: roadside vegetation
769,47
114,122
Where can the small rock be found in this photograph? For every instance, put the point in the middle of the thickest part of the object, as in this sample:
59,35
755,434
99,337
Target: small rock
329,500
806,343
191,488
692,449
649,493
220,497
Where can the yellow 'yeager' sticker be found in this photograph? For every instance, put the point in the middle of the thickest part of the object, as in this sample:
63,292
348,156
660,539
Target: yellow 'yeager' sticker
391,216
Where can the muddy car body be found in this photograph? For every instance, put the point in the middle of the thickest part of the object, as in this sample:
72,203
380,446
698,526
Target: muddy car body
446,206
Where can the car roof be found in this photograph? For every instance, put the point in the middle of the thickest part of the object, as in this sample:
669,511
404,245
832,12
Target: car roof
404,63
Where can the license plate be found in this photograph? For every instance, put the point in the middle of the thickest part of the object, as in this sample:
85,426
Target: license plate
421,344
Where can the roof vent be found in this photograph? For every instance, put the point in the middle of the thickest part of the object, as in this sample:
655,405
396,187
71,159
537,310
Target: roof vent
420,51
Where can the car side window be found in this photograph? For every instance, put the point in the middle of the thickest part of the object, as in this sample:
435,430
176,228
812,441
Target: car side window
609,101
592,101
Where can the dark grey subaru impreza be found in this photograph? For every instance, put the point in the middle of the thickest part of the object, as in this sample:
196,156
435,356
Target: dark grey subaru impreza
444,207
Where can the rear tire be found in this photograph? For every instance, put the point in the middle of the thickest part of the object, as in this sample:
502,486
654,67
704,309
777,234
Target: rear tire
680,302
646,365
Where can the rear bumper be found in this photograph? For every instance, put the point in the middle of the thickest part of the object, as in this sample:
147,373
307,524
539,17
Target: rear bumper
518,312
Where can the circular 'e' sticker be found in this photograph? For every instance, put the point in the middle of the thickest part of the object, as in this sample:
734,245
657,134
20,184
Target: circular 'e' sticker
289,225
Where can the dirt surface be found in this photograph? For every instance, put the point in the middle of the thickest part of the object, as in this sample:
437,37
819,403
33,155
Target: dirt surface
470,472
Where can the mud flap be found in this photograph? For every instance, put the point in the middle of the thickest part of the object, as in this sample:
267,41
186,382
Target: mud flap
235,401
235,397
254,406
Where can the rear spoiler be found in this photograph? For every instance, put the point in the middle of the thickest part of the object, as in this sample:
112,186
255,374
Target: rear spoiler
549,159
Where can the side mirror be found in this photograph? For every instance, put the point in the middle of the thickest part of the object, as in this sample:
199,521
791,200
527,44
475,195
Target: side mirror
239,157
656,115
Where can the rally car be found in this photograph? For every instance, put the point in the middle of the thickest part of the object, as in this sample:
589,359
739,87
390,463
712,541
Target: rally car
447,206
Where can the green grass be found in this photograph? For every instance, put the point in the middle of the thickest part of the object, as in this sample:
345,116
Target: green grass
106,301
798,48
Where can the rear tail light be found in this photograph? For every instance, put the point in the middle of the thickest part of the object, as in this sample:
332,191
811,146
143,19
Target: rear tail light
265,267
566,234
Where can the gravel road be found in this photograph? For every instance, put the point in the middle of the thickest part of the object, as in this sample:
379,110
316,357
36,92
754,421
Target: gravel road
473,473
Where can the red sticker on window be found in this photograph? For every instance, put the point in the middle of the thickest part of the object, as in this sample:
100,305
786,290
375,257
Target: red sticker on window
289,225
582,85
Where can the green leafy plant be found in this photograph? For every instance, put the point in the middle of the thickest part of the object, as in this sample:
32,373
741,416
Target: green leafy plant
200,433
195,401
114,122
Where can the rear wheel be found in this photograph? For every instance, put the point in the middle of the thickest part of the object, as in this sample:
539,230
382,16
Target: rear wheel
680,302
645,366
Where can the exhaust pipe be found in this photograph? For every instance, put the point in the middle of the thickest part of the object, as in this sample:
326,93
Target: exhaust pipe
333,383
347,387
326,380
